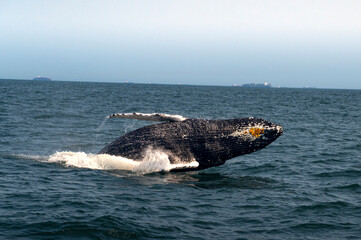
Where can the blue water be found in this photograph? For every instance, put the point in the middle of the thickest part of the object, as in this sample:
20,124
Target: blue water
305,185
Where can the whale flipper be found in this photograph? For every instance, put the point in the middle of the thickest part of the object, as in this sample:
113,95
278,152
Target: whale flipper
156,117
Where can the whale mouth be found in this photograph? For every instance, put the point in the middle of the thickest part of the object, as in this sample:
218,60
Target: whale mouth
273,132
275,129
278,130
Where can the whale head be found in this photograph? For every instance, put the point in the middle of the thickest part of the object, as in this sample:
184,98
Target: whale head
254,133
227,139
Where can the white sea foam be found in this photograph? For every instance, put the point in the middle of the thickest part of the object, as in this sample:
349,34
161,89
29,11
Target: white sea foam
154,161
92,161
39,158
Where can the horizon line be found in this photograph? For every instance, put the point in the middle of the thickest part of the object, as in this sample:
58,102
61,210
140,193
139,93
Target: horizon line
177,84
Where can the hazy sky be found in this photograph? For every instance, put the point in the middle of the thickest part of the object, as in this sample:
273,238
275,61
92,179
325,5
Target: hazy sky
288,43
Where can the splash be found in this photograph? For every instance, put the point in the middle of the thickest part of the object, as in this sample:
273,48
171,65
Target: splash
100,128
154,161
92,161
102,124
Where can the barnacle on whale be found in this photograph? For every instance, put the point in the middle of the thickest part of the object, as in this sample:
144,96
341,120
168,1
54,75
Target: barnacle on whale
256,132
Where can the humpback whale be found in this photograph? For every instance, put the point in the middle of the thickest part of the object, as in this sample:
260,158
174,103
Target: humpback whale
208,142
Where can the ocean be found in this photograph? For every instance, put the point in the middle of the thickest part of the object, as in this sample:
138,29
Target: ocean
305,185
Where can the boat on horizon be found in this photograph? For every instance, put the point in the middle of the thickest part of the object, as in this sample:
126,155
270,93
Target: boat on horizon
255,85
40,78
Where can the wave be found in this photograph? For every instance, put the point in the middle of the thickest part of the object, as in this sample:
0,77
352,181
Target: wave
154,161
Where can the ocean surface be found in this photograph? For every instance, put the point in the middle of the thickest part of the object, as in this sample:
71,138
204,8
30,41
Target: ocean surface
305,185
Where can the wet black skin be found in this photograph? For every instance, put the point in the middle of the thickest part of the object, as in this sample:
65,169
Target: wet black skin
209,142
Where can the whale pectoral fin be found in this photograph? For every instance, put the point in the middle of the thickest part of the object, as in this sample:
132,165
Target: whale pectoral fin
157,117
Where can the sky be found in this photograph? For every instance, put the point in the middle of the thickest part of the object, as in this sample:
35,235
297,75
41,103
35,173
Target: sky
298,43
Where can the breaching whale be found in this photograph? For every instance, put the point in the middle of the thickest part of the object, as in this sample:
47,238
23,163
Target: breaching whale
208,142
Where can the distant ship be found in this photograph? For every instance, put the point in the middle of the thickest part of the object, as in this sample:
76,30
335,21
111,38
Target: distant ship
255,85
39,78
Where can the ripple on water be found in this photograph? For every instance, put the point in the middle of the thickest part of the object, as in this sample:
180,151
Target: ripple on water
337,205
107,227
353,187
219,181
349,173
